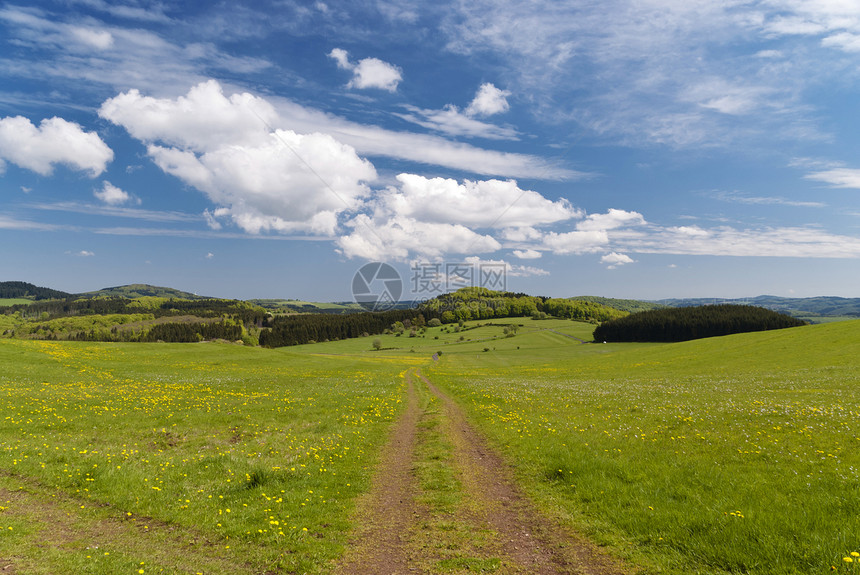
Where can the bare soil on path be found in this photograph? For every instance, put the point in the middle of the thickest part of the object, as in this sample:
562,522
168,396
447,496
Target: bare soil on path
499,528
388,510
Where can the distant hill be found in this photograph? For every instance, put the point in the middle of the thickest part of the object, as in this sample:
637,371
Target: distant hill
24,290
135,291
630,305
798,307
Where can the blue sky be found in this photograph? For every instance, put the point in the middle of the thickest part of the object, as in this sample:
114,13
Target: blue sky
641,149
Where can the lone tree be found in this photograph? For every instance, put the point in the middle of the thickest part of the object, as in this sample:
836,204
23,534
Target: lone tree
377,344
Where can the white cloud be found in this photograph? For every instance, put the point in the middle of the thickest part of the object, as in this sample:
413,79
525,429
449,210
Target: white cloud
576,242
488,101
374,73
614,260
74,53
54,141
211,221
99,39
662,72
114,196
611,220
450,120
735,197
511,270
398,238
202,120
800,242
205,115
478,204
368,72
263,180
116,212
150,14
341,56
210,255
838,177
83,254
528,254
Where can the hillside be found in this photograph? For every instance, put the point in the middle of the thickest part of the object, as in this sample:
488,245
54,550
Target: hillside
24,290
136,291
629,305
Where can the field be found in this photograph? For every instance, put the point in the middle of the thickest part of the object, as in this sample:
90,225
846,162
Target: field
728,455
6,302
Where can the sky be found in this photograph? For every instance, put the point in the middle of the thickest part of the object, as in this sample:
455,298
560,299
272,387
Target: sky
639,149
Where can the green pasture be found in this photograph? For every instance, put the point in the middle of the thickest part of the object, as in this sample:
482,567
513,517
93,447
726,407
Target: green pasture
738,454
257,453
6,302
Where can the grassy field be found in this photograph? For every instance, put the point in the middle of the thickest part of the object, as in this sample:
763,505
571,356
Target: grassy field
5,302
728,455
259,454
735,454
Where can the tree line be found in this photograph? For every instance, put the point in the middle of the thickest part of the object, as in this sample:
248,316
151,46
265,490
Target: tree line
208,308
167,333
686,323
301,329
462,305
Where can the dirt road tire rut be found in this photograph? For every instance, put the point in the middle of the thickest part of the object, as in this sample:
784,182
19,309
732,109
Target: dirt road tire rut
525,540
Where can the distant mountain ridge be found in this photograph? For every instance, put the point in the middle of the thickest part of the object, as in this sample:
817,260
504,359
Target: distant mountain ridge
135,291
24,290
798,307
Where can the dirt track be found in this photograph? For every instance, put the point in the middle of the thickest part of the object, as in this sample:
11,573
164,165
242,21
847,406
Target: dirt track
498,526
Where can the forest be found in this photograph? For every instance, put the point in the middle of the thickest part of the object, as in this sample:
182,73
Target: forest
462,305
686,323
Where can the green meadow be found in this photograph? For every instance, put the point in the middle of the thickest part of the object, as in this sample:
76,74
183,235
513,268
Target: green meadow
7,302
258,453
738,454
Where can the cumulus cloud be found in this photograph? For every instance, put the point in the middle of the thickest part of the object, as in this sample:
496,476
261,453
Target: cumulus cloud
398,238
576,242
611,220
528,254
368,72
54,141
614,260
202,120
479,204
82,254
432,217
262,179
488,101
114,196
